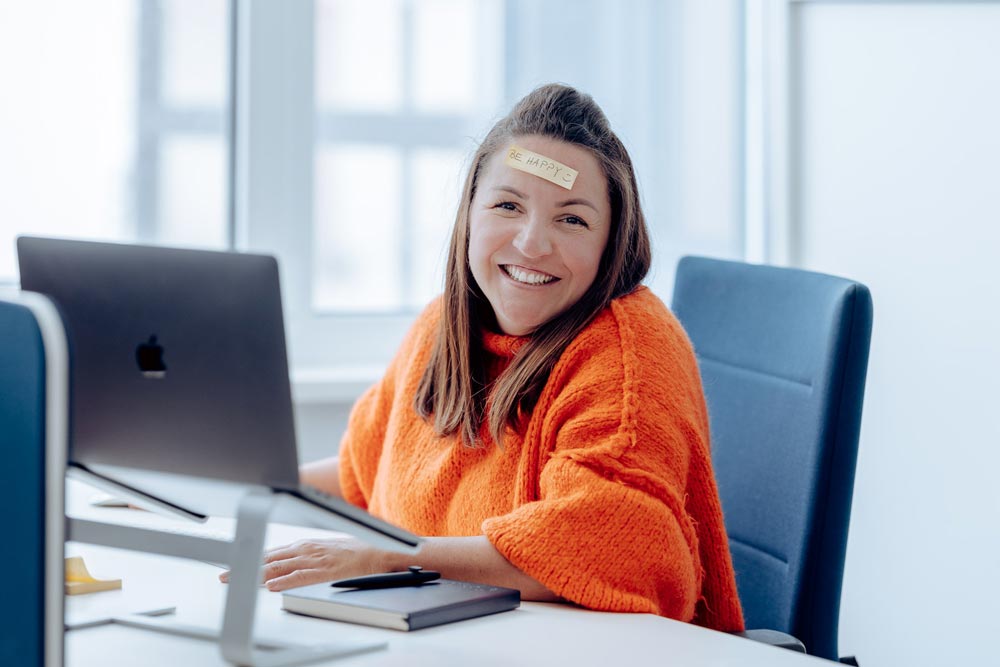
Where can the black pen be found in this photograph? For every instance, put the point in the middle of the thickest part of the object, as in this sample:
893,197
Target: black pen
413,576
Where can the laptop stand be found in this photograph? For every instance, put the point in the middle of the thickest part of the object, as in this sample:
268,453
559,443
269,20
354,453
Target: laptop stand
244,555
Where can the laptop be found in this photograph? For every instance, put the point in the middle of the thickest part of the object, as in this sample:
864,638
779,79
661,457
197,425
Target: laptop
179,384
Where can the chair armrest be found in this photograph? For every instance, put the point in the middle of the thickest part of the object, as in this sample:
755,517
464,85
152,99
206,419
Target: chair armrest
774,638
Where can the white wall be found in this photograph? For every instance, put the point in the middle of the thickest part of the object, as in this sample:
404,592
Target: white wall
896,182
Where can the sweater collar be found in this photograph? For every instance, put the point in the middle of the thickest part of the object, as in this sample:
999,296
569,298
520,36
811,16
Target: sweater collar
501,345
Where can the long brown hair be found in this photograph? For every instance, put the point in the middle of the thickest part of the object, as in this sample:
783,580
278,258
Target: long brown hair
455,389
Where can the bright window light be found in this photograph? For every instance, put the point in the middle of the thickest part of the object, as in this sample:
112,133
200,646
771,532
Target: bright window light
113,122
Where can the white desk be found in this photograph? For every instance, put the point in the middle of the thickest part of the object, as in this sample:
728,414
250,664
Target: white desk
535,634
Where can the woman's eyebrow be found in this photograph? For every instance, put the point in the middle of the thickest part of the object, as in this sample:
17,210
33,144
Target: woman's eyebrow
513,191
576,202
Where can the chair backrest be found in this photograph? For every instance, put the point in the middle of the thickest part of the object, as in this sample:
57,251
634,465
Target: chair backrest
783,355
33,432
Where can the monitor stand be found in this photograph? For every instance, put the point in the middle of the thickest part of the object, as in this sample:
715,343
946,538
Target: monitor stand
244,555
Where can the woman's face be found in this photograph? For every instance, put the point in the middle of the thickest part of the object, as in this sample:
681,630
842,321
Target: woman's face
534,246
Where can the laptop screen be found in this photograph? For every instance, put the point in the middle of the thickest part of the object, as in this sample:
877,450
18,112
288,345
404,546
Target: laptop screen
178,361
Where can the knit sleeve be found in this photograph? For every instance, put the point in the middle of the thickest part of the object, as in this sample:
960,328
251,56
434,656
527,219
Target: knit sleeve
363,441
361,445
609,529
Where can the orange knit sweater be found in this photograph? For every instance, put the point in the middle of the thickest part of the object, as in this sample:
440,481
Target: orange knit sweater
607,497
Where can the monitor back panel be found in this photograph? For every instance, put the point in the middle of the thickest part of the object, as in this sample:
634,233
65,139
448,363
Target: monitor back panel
178,360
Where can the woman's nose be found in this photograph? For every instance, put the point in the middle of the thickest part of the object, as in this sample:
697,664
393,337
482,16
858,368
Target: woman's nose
532,240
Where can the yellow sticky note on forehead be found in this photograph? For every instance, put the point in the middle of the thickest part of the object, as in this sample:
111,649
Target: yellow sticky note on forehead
541,166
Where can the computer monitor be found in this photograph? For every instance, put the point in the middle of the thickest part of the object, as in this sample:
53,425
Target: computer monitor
179,387
180,397
178,358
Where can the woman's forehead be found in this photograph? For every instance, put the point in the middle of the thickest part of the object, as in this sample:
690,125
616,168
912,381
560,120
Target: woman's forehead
542,161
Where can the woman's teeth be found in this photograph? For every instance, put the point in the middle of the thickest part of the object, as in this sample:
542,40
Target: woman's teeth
527,277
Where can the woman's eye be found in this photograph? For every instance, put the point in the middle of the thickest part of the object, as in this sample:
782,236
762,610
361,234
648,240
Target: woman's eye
506,206
573,220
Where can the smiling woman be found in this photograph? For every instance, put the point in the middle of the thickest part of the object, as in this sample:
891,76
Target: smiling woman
543,422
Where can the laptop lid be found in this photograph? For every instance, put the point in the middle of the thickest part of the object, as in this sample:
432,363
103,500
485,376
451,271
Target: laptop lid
178,361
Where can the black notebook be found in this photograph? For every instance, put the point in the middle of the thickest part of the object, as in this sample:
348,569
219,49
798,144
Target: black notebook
403,607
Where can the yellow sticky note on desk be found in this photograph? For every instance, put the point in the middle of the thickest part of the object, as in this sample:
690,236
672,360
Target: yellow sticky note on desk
79,581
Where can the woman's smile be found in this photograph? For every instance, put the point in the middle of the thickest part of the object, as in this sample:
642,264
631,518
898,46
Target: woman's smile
527,277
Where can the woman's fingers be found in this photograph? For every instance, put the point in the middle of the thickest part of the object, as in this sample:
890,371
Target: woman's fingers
300,548
280,553
312,561
296,579
280,568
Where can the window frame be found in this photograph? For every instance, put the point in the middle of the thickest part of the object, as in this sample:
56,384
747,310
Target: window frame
273,198
157,121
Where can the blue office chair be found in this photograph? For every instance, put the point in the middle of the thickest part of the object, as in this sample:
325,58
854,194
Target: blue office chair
783,356
33,436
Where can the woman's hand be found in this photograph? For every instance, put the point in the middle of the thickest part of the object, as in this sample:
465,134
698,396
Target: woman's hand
315,561
463,558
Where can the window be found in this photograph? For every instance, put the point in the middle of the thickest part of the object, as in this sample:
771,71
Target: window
354,121
400,88
403,90
114,122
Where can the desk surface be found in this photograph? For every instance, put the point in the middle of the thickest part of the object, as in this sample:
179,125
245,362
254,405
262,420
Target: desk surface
542,634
